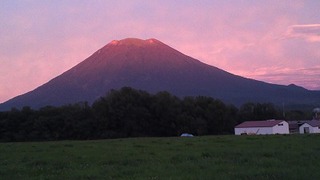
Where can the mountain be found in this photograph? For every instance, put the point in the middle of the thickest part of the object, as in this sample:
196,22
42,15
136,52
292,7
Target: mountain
153,66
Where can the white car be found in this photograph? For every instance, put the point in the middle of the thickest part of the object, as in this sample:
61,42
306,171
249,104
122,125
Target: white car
186,135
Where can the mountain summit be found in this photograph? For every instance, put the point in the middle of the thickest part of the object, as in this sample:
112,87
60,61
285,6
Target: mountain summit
154,66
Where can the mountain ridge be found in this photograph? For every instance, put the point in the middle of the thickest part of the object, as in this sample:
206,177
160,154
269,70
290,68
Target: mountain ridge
154,66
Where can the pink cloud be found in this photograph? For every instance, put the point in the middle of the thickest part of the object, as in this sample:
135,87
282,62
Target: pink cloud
301,76
308,32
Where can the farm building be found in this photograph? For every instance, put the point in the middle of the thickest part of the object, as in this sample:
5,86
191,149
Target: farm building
294,126
310,127
262,127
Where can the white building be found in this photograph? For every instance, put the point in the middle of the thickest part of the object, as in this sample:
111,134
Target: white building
262,127
310,127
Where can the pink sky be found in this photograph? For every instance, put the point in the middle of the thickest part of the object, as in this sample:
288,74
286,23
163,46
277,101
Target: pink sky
273,41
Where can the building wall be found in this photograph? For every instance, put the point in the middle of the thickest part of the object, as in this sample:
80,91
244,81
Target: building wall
311,129
253,130
281,128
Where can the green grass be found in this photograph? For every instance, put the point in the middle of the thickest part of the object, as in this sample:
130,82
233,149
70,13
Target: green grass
210,157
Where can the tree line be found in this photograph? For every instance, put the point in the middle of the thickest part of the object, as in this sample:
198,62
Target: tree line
132,113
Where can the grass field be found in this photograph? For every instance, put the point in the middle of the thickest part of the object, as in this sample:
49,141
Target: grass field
210,157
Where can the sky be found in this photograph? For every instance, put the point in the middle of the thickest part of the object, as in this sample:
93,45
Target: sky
272,41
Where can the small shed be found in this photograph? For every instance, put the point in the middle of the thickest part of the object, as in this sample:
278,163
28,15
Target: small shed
262,127
310,127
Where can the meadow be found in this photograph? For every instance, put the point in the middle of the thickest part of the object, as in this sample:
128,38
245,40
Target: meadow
207,157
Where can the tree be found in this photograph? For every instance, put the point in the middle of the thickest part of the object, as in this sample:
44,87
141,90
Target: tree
316,112
257,111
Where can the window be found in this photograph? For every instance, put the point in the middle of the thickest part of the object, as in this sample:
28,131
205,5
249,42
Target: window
280,124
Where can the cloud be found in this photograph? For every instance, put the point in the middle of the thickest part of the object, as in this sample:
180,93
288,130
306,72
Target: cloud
306,77
308,32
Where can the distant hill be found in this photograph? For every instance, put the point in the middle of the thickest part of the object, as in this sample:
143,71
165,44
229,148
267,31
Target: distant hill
153,66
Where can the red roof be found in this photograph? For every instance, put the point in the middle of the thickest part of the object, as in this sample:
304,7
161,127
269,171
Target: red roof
313,123
267,123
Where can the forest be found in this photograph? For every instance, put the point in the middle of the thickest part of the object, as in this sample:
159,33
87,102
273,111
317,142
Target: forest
134,113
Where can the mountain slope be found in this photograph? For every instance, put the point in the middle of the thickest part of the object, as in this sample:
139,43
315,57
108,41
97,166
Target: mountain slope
153,66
